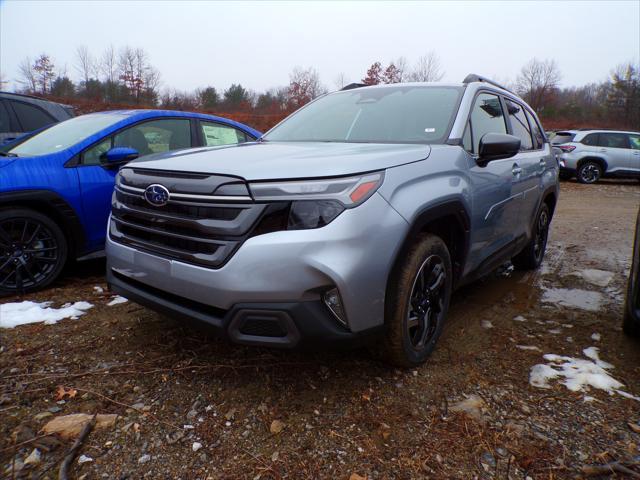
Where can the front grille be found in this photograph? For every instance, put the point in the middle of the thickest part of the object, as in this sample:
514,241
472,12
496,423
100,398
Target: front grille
199,228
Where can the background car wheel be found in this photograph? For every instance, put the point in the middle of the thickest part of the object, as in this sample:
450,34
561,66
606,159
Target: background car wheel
33,251
417,302
531,257
589,172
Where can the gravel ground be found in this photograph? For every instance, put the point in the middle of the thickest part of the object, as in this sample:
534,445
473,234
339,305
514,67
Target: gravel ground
189,406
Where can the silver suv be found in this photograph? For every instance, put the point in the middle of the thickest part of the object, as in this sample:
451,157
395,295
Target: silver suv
355,218
592,154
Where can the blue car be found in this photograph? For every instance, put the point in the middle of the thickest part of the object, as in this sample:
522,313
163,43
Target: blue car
56,187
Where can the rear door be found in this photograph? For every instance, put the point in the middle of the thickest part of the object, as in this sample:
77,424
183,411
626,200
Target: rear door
530,161
96,180
494,205
634,152
615,148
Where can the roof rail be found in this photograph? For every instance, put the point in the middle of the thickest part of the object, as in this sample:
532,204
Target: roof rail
351,86
472,77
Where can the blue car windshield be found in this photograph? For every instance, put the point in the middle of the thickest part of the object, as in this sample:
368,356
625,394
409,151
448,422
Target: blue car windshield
65,134
390,114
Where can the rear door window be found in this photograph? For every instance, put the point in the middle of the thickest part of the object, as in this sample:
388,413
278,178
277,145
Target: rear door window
520,125
614,140
31,117
214,134
634,140
536,131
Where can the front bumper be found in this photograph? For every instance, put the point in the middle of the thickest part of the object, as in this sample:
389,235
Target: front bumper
285,271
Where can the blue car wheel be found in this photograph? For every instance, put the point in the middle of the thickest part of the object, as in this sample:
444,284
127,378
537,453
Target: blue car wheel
33,251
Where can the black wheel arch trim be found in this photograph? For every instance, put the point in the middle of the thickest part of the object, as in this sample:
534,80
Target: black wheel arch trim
52,204
430,215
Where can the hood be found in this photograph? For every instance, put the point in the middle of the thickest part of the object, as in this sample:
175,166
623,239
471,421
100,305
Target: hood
4,161
283,160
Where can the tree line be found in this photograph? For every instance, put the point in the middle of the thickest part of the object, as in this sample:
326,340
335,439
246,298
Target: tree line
126,76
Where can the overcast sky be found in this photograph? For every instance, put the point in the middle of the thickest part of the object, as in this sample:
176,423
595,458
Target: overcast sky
194,44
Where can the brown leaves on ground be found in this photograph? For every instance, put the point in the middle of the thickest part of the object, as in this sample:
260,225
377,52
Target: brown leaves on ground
63,392
276,426
70,426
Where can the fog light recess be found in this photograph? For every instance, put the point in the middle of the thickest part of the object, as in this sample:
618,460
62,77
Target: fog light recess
332,300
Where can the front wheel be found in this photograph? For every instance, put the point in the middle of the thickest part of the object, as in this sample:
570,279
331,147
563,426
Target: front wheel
531,257
589,172
33,251
417,302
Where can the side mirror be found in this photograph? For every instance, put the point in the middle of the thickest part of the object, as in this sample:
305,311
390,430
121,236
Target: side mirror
119,156
496,146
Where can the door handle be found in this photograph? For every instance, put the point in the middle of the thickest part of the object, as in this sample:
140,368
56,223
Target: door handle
516,170
603,150
543,163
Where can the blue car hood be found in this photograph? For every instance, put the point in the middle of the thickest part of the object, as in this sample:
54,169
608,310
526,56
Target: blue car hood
283,160
4,161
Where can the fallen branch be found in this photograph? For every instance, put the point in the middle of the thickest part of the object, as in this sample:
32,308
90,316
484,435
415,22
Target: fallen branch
63,473
608,469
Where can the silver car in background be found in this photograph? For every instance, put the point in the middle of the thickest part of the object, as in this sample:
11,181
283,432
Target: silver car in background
590,155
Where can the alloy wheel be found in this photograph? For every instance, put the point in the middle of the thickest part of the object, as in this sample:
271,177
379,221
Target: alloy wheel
426,302
28,254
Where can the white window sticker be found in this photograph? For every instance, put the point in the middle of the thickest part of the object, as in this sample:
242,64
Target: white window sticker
429,130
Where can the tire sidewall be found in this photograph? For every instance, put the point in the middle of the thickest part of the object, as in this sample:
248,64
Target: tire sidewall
56,231
425,246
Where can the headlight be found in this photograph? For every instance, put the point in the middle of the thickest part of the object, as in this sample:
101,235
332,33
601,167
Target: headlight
316,203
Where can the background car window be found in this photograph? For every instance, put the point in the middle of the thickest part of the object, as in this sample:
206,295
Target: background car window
634,140
486,117
613,140
156,136
93,155
5,125
591,139
217,134
30,117
520,125
562,137
536,132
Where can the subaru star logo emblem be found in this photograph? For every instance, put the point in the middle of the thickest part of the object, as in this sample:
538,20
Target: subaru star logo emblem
156,195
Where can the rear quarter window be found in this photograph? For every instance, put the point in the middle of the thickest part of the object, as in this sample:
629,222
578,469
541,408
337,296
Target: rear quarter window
562,137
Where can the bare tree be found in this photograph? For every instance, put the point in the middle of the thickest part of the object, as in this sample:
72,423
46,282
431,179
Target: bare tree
3,81
27,76
44,72
341,80
137,74
108,64
85,64
401,67
427,69
304,86
538,81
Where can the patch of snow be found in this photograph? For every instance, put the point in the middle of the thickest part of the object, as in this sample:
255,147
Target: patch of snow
567,325
528,347
555,331
84,459
600,278
579,374
98,289
117,300
22,313
596,337
486,324
588,398
570,339
196,446
573,298
520,318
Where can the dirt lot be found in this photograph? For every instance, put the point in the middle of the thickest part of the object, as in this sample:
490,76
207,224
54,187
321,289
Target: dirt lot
192,407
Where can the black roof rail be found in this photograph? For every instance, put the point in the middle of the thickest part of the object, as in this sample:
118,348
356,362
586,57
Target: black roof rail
472,77
351,86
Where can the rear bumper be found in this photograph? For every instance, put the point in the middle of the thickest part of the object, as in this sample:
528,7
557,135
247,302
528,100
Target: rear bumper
306,324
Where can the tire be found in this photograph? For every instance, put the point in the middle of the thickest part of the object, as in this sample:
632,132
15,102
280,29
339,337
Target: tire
417,302
532,255
589,172
33,251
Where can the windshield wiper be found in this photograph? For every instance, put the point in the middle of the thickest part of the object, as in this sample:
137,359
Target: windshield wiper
7,154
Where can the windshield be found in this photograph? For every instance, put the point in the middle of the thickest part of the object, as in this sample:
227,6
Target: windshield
65,134
407,114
